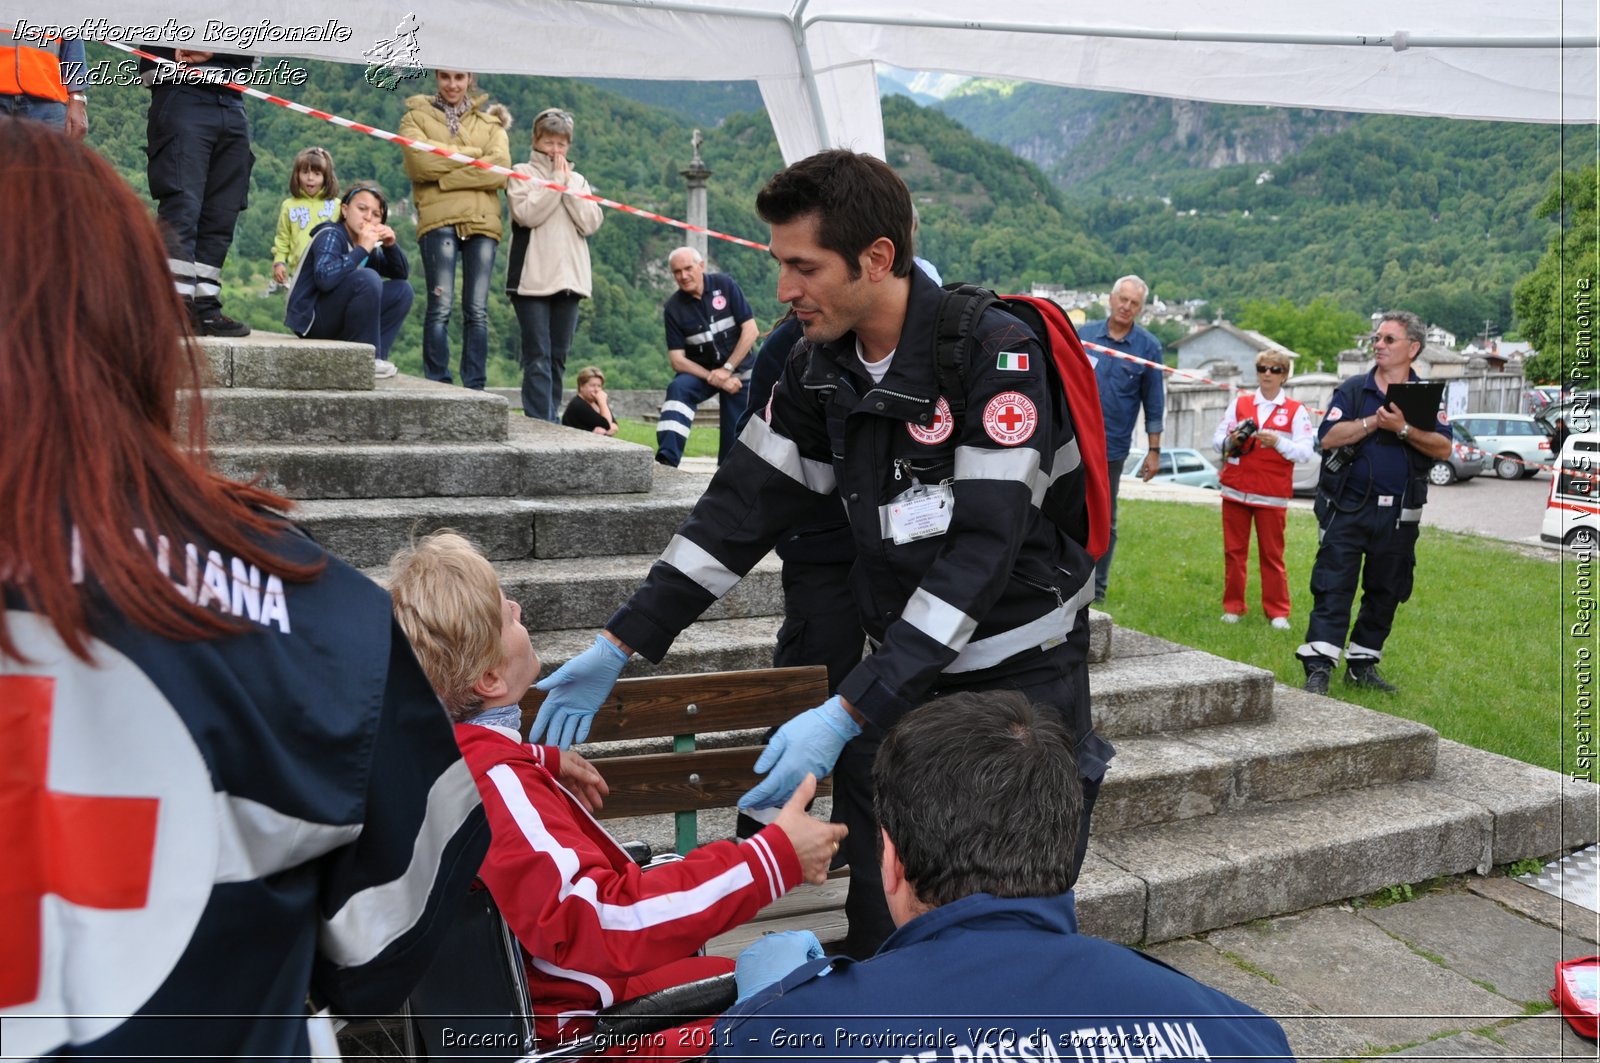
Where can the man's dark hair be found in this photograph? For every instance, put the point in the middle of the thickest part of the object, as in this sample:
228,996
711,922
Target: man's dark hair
980,794
856,198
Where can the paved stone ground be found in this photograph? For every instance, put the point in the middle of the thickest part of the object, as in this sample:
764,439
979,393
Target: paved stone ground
1462,971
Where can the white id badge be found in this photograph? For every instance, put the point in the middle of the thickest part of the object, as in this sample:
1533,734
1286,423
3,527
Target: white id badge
921,512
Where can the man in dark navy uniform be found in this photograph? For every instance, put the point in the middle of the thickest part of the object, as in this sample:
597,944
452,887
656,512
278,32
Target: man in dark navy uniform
1368,510
198,142
963,580
978,800
710,331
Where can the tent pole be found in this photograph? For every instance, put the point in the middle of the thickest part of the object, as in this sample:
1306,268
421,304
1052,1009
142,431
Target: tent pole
802,49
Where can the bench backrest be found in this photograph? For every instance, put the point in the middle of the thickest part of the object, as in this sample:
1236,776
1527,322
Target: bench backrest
683,707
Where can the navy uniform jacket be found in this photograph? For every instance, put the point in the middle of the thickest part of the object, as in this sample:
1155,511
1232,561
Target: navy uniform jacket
981,600
233,822
1383,465
1007,978
706,329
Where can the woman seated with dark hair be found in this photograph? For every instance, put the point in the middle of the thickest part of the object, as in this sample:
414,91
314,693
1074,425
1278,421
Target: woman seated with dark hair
351,284
590,410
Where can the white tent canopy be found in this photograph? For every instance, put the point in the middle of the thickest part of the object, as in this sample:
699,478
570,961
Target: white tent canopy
814,59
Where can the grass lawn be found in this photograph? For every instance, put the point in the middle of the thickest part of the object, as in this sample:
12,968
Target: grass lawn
1477,651
702,441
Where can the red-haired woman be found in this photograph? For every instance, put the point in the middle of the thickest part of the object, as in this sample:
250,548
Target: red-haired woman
229,784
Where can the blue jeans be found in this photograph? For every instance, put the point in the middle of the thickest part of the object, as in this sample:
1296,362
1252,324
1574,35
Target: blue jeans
548,323
363,307
1102,567
36,108
440,248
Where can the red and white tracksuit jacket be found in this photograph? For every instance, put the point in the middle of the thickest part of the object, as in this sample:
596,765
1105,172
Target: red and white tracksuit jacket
588,917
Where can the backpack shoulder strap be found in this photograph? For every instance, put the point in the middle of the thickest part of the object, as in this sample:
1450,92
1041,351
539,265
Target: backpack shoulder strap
960,310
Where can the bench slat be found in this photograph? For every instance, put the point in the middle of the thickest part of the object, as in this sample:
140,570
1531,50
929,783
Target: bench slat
653,783
657,706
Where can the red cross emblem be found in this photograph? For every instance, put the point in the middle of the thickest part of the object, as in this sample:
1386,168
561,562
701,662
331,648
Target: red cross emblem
95,852
936,431
1010,418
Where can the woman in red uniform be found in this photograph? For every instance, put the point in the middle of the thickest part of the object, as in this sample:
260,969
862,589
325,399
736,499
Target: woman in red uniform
1262,436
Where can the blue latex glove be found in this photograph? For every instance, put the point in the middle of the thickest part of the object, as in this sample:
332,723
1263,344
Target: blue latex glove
808,743
574,693
772,956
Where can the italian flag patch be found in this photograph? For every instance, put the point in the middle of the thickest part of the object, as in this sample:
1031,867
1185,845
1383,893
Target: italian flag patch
1012,361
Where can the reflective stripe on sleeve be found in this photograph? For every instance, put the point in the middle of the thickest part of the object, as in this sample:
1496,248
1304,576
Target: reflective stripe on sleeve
697,563
255,841
938,619
375,918
1019,464
783,454
1037,634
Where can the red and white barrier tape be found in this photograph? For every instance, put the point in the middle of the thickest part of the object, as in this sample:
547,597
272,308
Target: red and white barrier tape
1126,357
418,145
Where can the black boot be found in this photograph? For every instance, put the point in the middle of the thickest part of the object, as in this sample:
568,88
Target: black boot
1317,676
1365,674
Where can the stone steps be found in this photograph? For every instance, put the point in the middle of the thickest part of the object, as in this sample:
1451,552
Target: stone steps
288,363
399,410
1231,798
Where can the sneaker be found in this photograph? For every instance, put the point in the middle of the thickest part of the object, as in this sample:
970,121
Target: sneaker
1281,623
1365,674
1317,680
1232,618
220,324
383,370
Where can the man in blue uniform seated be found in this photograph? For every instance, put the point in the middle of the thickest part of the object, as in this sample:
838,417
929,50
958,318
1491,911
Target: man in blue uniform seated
977,797
710,331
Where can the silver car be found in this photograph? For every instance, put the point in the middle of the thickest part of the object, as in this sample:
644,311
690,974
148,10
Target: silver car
1515,443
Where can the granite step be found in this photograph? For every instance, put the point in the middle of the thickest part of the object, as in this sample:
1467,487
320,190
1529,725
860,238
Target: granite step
1308,746
1174,879
399,410
289,363
534,460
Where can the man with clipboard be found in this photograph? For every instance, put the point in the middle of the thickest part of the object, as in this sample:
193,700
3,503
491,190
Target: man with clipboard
1369,504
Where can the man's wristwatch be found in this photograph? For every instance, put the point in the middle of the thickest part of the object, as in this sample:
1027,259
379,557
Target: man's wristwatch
77,97
1405,431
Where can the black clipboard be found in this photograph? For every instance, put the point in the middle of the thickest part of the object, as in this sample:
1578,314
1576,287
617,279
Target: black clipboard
1419,400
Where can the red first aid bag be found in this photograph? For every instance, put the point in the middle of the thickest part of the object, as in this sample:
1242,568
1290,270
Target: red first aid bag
1577,993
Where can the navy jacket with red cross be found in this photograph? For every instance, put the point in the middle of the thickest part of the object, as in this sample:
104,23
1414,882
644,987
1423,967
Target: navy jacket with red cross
199,834
983,597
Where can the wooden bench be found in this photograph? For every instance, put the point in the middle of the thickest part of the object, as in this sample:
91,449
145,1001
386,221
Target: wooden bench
691,779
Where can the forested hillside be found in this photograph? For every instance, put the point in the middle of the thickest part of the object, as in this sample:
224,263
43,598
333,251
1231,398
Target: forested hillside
1239,203
1358,211
987,215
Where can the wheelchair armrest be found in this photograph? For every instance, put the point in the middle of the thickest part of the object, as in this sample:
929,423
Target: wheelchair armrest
638,851
666,1008
627,1020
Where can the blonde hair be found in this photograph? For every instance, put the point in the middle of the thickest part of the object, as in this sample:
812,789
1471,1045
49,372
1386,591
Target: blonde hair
447,600
1273,356
588,373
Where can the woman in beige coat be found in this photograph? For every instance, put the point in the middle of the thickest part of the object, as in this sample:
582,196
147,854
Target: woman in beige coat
458,215
549,268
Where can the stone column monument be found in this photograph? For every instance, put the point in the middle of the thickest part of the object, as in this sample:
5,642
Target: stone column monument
695,178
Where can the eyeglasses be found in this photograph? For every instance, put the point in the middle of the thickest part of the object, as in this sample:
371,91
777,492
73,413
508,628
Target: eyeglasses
1275,370
1382,338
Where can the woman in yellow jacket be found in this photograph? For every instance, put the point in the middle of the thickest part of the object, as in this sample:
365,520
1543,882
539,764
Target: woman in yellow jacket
458,215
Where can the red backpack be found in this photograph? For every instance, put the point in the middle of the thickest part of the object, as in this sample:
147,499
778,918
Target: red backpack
1068,368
